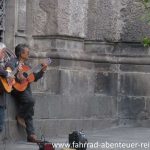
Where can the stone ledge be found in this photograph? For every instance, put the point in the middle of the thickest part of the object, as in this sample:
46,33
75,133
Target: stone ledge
94,58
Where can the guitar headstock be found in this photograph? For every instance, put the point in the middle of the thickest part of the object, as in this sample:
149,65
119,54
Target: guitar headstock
49,61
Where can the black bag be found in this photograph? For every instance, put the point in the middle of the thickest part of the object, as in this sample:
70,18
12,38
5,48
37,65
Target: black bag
78,140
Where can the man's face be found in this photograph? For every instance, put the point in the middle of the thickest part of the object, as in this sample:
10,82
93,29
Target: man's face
2,54
25,54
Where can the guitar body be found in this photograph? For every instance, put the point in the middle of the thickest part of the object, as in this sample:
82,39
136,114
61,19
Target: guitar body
7,84
27,72
21,86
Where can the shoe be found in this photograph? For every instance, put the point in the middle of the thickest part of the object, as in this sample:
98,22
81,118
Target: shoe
21,121
33,139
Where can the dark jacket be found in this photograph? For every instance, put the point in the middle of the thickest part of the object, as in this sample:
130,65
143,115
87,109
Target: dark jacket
3,73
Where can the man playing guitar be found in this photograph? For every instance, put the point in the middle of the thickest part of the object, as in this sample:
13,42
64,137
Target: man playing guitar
3,74
24,98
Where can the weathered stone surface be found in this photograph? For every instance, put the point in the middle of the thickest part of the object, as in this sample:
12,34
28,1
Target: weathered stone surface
99,76
98,27
133,84
106,67
135,68
130,107
48,84
116,20
130,49
146,114
10,21
77,82
77,17
106,83
58,43
76,65
20,39
74,107
50,8
99,47
14,132
65,17
46,126
134,28
21,15
39,18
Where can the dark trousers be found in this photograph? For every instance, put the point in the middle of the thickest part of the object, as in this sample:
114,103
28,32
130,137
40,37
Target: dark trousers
2,115
2,107
25,103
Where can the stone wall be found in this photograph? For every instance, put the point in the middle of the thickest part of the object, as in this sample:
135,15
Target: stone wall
99,76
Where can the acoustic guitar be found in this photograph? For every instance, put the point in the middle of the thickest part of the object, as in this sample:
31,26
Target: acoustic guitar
27,72
7,83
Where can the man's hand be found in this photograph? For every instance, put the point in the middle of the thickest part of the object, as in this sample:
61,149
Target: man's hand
10,79
20,76
44,67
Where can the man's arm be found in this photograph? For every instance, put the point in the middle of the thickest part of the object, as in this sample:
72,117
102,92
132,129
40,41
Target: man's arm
40,73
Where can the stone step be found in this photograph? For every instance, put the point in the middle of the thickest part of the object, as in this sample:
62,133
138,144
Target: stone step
19,146
138,136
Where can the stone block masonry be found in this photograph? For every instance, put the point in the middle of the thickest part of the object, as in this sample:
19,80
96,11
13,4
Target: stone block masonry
99,76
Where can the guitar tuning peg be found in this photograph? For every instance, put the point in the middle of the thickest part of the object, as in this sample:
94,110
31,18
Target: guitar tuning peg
49,60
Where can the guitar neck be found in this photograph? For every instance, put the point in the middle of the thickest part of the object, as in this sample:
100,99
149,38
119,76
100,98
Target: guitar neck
38,67
14,71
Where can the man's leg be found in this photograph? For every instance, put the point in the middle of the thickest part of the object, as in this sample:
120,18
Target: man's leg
28,117
31,137
26,111
2,116
25,103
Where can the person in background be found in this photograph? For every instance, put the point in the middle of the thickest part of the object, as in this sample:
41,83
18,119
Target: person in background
4,74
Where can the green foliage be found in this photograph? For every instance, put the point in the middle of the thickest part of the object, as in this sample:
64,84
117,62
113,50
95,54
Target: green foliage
146,15
146,3
146,18
146,42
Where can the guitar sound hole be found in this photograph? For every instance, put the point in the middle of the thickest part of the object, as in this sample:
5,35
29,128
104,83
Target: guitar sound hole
25,74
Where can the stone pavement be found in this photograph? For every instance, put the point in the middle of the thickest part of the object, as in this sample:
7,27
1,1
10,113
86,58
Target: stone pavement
116,138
